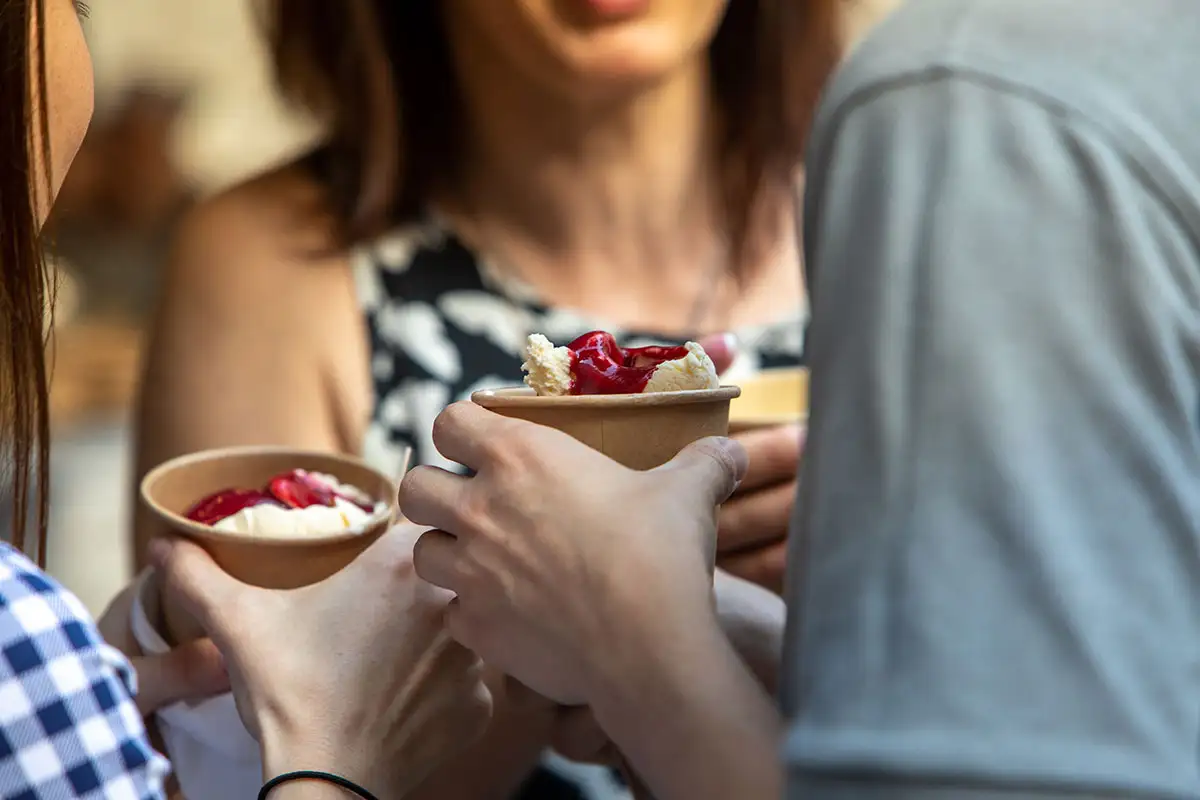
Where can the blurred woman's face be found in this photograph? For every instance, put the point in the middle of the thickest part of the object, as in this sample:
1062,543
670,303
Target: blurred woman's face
579,45
69,94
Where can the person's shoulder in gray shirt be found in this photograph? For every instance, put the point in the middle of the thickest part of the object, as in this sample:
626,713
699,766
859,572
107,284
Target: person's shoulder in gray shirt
996,567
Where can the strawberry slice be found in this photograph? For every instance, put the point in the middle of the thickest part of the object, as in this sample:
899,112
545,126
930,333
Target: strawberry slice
226,503
298,489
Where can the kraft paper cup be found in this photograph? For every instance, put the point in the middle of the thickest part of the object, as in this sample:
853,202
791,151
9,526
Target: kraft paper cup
769,399
641,431
172,488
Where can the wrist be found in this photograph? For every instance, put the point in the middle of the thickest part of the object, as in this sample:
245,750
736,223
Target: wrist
754,620
693,701
653,668
287,750
312,785
653,638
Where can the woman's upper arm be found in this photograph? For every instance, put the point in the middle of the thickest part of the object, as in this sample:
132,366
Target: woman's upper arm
256,339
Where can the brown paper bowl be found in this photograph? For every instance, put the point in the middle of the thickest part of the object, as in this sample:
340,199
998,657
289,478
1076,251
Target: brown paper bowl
172,488
770,398
641,431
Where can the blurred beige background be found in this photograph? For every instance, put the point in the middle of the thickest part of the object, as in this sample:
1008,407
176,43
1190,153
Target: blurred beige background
232,124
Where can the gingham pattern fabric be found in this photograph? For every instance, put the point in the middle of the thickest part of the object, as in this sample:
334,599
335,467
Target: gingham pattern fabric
68,725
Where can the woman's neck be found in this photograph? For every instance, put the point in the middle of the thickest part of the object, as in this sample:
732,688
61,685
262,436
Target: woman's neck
618,188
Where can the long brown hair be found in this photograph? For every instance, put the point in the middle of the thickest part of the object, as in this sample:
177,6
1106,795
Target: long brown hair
379,74
25,288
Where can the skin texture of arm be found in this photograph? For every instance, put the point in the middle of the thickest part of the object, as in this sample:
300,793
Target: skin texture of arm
259,340
715,733
256,341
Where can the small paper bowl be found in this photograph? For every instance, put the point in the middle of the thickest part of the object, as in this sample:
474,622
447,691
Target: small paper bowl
641,431
172,488
771,398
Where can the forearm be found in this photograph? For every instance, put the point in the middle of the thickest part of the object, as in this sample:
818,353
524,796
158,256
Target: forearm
693,722
754,620
495,766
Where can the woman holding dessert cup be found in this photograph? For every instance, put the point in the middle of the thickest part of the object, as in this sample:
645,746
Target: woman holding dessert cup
70,717
493,169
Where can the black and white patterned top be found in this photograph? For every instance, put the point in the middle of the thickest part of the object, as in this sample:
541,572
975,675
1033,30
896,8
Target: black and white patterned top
443,324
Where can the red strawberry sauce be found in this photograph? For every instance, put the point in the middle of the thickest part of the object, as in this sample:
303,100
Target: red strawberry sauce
599,366
295,489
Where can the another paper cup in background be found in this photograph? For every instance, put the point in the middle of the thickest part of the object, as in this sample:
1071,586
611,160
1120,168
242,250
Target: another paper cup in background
641,431
173,487
770,398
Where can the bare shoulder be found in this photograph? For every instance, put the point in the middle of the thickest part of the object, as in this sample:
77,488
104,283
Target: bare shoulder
274,233
259,294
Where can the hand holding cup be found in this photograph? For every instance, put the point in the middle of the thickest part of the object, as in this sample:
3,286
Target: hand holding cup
355,674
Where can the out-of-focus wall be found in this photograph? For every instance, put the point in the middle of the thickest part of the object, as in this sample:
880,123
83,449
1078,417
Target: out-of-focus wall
233,123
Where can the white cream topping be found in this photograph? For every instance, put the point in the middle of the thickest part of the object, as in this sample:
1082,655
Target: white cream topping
547,368
274,521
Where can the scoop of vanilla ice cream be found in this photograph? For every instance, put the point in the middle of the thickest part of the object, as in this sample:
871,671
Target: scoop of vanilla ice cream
275,521
547,368
694,371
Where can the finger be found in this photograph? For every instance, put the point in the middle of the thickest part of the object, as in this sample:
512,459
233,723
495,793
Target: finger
465,433
711,468
193,671
722,348
205,589
432,497
774,455
755,519
765,567
436,558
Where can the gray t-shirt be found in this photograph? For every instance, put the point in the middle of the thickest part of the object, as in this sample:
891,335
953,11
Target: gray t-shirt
996,567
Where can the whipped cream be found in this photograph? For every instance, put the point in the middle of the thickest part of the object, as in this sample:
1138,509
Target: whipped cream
296,504
694,371
547,368
270,520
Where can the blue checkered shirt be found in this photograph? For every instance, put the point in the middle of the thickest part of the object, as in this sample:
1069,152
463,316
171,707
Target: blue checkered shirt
68,724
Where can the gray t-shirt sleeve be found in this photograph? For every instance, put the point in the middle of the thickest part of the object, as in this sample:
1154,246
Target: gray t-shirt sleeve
995,586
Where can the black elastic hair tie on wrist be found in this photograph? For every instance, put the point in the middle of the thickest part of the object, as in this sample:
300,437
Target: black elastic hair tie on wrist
314,775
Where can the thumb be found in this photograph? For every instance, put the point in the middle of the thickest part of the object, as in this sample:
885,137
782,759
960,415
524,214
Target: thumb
722,348
711,467
206,590
192,671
